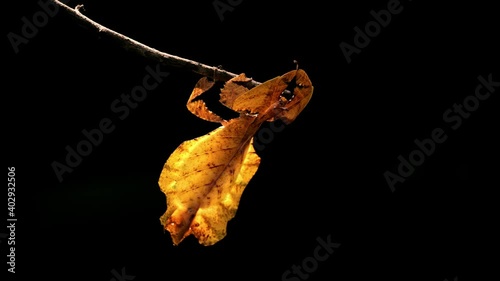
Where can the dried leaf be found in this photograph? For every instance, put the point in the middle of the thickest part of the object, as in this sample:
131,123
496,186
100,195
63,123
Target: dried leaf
302,93
203,181
234,88
204,178
198,107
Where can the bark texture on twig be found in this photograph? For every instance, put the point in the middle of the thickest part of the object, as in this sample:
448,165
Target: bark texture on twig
143,50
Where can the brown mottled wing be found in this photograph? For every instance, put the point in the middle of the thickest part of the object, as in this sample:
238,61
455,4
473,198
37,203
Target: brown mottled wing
198,107
302,94
234,88
255,100
203,181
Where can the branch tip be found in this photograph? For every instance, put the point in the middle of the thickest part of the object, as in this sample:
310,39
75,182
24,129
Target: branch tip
144,50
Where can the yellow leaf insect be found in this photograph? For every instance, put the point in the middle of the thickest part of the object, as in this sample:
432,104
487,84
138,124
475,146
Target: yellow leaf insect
204,178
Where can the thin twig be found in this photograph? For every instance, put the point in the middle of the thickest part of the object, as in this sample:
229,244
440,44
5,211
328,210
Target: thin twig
143,50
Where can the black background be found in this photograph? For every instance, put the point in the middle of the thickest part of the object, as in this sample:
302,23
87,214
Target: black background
322,175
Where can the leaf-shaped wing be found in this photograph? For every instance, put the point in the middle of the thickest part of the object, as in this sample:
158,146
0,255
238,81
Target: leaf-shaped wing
204,179
234,88
302,93
254,101
268,96
198,107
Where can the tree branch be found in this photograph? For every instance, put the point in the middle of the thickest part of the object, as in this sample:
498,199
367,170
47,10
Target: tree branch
143,50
